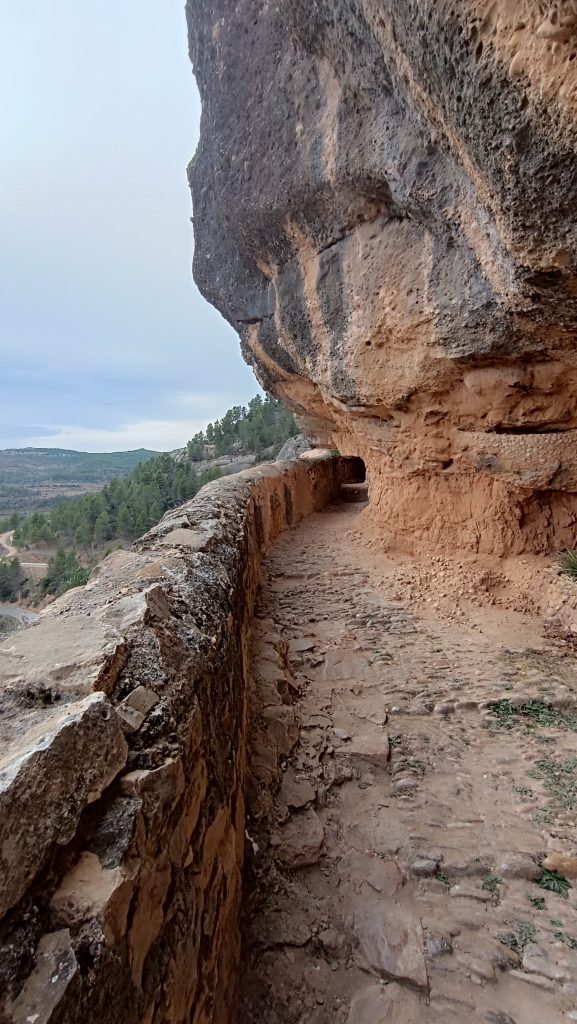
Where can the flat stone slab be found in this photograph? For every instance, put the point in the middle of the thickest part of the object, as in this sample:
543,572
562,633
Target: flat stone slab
390,942
56,966
383,876
392,1004
75,653
90,890
47,777
368,749
301,841
296,793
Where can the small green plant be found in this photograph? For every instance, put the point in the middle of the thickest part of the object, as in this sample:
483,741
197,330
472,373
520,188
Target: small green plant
568,563
559,779
540,712
523,791
503,713
506,715
491,884
523,932
568,940
555,922
442,877
413,765
543,816
552,881
537,902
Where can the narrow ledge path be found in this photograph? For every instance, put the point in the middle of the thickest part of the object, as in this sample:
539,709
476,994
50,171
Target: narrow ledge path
397,852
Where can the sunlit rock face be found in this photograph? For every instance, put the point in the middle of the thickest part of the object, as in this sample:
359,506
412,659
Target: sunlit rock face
385,208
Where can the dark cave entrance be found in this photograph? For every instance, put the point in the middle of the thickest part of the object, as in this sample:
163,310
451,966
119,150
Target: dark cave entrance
353,476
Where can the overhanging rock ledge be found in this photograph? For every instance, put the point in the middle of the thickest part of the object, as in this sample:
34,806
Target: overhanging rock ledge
385,210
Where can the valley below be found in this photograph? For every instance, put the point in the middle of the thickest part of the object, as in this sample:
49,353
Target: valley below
34,479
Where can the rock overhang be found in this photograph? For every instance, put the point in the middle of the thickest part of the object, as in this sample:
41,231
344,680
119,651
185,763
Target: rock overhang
384,199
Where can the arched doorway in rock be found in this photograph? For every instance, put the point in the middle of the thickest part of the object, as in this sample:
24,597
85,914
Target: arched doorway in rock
353,475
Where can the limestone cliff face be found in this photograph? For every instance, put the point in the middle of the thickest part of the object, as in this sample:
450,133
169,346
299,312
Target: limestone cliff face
385,210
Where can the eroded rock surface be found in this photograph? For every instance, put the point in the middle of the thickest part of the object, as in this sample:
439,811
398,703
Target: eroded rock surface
385,197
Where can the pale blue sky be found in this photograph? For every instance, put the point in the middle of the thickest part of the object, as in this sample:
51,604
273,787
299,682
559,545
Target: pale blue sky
105,343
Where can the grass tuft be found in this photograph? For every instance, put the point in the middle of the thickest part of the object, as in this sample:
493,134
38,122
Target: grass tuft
530,714
559,779
568,940
568,563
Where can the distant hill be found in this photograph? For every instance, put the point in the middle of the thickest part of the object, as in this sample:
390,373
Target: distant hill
32,479
134,497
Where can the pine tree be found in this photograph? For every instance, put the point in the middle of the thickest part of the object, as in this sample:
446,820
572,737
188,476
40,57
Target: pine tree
124,522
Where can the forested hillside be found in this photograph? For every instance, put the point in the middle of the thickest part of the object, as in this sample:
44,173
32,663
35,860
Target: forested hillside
123,510
264,423
33,478
10,578
126,508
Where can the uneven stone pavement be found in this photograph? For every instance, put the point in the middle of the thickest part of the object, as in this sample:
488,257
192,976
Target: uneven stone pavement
397,854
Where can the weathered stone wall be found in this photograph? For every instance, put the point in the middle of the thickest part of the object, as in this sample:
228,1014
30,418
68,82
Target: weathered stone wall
384,198
122,768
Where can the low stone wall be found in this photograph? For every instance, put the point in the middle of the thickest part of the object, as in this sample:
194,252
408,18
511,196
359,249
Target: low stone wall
122,767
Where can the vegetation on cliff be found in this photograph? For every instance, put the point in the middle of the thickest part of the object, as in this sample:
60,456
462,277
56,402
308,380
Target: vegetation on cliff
64,573
262,424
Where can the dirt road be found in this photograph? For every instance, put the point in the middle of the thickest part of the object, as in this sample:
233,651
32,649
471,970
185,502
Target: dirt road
22,615
7,550
429,767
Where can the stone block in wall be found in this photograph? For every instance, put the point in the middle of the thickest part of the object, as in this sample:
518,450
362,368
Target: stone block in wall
47,778
90,890
89,654
45,989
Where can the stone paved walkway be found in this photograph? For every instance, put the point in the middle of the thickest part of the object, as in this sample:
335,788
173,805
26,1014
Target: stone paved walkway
396,855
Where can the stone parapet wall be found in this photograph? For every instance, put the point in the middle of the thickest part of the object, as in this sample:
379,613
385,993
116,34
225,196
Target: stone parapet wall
122,767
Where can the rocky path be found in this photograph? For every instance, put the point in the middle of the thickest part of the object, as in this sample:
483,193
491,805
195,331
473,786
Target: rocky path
428,769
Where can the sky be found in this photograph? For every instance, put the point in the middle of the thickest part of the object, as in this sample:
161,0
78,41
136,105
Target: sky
105,343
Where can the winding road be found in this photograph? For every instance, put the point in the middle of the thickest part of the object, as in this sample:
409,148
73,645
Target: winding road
7,550
22,615
13,611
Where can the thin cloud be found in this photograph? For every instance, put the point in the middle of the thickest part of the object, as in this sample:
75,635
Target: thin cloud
101,323
158,435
